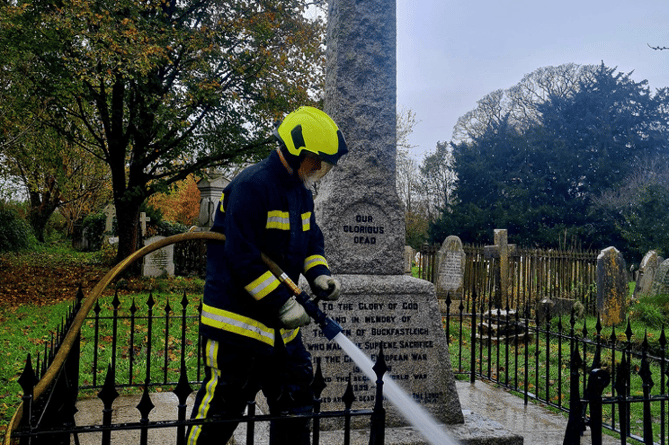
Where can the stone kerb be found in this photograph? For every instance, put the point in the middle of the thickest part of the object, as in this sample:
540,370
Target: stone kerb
611,286
450,272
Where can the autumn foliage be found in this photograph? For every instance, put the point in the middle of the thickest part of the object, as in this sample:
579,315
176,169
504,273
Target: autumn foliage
182,205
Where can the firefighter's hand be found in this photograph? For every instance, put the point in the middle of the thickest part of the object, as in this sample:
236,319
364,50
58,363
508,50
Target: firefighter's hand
293,315
326,287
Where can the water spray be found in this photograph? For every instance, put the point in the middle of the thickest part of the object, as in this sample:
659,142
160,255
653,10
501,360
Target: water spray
412,411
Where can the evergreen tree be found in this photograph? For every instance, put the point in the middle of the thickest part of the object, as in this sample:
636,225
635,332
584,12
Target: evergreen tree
539,180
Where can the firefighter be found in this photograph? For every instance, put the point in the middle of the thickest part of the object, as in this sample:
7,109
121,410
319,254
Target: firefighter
250,323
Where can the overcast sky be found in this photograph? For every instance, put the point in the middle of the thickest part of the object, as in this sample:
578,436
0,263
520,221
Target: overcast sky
451,53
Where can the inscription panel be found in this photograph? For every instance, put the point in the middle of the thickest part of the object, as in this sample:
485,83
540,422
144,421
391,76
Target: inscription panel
450,270
363,228
413,347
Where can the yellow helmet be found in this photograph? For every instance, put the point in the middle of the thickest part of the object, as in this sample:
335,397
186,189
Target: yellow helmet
309,129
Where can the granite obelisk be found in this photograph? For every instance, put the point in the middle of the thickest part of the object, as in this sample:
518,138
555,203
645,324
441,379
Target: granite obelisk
362,220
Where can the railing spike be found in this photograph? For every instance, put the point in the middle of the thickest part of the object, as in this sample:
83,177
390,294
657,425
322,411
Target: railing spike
116,302
145,405
28,379
349,397
318,383
108,392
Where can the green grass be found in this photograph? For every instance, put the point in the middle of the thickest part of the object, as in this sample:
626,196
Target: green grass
24,330
132,341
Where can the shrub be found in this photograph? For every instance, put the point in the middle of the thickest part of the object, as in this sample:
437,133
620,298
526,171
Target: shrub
93,227
652,311
167,228
15,232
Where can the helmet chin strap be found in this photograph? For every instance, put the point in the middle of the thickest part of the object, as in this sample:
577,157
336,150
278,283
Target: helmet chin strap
284,162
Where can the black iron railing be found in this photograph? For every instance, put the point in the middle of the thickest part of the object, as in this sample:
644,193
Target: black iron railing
603,377
107,347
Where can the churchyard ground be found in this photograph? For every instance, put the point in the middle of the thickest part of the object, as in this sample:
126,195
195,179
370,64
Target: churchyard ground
38,288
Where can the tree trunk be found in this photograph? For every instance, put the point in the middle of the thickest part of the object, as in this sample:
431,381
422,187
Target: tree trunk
42,207
127,216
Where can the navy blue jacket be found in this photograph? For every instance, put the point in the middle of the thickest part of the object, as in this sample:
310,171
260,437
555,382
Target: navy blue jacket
264,209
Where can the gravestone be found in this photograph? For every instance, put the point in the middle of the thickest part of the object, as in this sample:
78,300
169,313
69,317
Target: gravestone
501,251
611,286
362,220
450,273
409,253
647,270
110,213
143,219
159,262
661,283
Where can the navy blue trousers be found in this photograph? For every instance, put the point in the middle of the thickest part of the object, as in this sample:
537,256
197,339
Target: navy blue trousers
234,375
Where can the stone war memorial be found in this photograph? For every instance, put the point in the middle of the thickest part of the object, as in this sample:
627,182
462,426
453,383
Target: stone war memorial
362,220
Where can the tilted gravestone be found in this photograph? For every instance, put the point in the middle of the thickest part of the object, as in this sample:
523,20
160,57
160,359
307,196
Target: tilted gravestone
661,283
450,272
611,286
647,270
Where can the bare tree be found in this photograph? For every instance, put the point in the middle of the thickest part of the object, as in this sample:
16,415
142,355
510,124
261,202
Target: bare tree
519,105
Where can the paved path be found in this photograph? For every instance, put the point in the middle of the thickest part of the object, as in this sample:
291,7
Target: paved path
535,423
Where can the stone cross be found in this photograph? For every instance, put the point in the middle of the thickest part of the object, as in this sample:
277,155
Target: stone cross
143,219
110,212
502,251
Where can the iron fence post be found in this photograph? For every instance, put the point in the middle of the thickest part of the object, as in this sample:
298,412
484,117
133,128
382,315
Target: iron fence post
378,422
575,423
599,379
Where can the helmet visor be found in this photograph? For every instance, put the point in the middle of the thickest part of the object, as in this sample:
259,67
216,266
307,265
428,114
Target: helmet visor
313,169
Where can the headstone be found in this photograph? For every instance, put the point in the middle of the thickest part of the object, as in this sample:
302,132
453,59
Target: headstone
110,213
661,283
211,189
450,272
143,219
159,262
361,217
501,251
408,260
612,286
647,270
